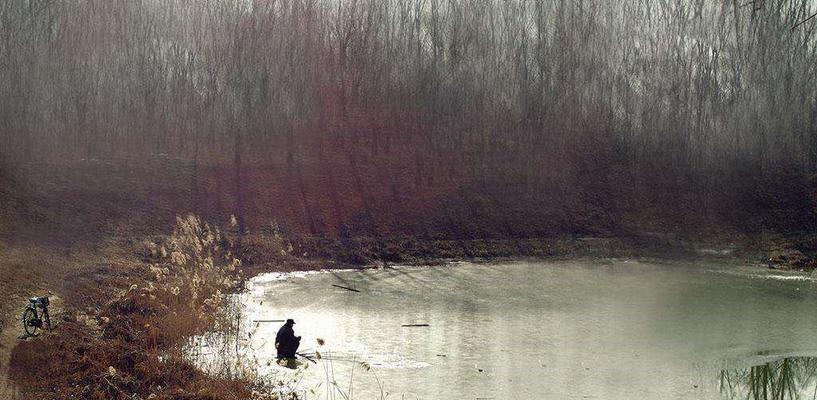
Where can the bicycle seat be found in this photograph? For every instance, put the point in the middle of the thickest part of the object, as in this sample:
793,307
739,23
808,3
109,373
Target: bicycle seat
39,301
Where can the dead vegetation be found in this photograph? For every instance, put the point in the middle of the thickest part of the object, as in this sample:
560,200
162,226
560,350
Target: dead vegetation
134,343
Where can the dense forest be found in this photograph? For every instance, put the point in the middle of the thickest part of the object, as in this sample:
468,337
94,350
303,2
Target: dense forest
454,118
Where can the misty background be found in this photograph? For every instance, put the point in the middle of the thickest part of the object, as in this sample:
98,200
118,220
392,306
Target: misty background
432,118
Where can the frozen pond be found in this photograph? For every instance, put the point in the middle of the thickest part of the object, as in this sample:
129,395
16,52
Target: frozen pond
609,329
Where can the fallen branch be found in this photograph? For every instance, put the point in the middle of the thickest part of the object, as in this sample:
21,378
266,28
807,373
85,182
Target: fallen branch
414,325
268,320
307,357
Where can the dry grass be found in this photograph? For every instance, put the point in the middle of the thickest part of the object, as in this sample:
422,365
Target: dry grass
133,344
37,269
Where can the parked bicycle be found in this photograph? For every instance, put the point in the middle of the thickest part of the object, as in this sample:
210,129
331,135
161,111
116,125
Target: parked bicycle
32,319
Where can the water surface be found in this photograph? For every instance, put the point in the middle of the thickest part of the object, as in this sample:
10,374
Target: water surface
610,329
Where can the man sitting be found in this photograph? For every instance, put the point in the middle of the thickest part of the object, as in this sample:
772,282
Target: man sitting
286,342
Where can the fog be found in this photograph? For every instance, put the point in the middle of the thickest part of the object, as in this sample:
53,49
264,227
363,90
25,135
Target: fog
532,95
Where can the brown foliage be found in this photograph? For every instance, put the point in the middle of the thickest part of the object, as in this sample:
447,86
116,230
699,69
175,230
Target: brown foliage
133,345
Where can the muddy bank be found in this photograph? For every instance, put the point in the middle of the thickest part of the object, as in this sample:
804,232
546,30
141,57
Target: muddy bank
306,253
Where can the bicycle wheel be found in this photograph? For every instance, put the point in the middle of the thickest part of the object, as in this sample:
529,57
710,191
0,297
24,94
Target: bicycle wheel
47,319
29,322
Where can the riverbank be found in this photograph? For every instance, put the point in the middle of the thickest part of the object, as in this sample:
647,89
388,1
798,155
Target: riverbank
124,322
794,252
128,305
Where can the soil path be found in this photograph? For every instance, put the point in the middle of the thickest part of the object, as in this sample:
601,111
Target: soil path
11,335
8,339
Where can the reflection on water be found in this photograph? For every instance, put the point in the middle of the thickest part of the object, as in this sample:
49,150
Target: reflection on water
780,378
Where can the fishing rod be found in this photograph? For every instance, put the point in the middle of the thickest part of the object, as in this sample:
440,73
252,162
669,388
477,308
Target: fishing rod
312,356
350,360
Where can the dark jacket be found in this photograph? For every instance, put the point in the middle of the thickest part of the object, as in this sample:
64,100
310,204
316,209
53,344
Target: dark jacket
286,342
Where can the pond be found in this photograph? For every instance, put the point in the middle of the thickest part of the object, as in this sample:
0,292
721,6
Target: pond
594,329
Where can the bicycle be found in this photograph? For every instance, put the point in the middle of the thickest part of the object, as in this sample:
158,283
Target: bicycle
32,320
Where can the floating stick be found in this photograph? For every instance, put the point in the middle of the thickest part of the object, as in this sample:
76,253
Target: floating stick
347,288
